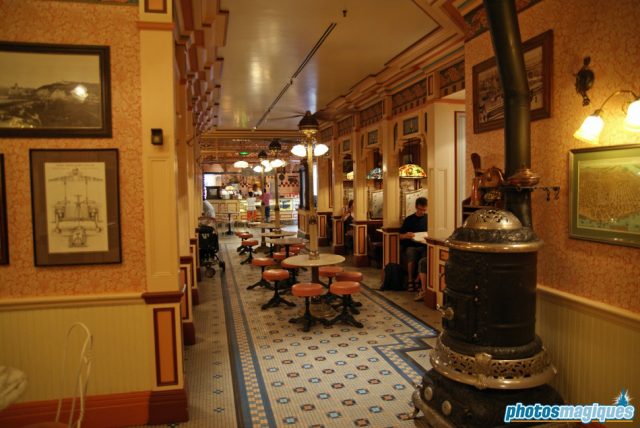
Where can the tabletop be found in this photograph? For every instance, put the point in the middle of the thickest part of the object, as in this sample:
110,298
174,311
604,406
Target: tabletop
277,234
421,237
263,225
324,260
288,241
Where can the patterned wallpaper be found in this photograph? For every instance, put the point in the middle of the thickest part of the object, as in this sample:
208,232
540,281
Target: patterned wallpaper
90,24
607,31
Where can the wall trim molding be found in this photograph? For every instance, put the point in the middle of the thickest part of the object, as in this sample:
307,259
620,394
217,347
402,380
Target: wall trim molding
583,304
70,301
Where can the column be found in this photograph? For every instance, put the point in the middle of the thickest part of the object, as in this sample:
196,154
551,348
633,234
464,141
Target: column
324,189
338,227
360,203
391,187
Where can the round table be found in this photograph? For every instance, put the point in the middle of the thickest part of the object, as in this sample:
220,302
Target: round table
275,235
263,227
288,242
324,260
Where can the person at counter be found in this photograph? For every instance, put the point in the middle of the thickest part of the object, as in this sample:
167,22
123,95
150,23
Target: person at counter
411,250
266,199
347,221
251,207
207,209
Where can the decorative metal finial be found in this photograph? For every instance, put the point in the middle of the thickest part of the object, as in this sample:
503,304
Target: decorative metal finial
584,80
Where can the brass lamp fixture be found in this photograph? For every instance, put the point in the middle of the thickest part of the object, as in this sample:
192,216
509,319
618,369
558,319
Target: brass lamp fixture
592,127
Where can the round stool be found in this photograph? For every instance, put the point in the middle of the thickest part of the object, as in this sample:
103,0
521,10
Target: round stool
279,255
329,272
248,244
293,270
350,276
263,262
307,290
345,289
244,236
276,275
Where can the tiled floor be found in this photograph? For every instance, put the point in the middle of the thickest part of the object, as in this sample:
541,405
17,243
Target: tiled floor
308,379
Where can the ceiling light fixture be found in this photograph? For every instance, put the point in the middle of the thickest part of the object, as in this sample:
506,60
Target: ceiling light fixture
241,164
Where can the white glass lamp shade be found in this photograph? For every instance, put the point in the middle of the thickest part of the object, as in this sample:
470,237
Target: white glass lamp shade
277,163
264,162
299,150
240,164
257,168
320,149
590,130
268,168
632,121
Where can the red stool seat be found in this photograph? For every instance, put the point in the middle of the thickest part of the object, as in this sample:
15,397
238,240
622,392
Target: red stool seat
294,251
329,271
262,261
249,242
279,256
345,287
349,276
307,289
286,265
275,274
245,235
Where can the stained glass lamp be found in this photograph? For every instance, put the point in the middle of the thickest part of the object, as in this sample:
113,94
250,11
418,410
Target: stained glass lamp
411,170
375,174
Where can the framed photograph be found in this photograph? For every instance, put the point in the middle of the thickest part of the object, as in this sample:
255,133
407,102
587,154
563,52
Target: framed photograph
376,203
605,194
75,207
54,91
346,146
4,233
488,103
408,200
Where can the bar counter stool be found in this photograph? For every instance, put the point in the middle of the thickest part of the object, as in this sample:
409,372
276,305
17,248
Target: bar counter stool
243,236
307,290
350,276
293,271
276,275
345,289
263,262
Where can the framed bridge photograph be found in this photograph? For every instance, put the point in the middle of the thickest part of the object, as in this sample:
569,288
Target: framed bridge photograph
605,194
75,207
54,91
488,102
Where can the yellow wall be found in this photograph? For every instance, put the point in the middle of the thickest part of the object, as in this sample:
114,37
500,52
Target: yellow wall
606,31
90,24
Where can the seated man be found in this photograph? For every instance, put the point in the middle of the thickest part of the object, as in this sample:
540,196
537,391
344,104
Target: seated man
414,251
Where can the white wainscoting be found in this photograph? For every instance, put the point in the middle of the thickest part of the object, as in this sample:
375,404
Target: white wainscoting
594,346
33,334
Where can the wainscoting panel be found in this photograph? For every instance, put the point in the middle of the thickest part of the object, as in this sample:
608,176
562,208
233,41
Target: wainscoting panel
595,347
32,339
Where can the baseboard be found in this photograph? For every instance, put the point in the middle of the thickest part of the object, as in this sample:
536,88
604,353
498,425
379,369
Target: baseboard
189,333
168,407
113,410
360,261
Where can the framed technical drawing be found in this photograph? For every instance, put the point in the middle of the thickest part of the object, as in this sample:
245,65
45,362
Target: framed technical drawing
75,207
376,204
605,194
54,90
488,103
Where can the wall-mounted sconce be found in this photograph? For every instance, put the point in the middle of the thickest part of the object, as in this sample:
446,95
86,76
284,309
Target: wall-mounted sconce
592,126
156,136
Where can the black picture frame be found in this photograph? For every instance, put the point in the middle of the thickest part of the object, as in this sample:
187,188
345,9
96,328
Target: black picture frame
54,91
604,194
4,232
75,206
488,102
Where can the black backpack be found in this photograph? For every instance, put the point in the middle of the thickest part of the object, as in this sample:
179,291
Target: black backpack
393,278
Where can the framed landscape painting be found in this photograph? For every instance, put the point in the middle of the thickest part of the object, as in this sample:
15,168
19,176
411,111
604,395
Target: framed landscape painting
605,194
75,207
488,102
54,91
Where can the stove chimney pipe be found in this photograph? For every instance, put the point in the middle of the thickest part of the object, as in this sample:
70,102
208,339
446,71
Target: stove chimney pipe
505,35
